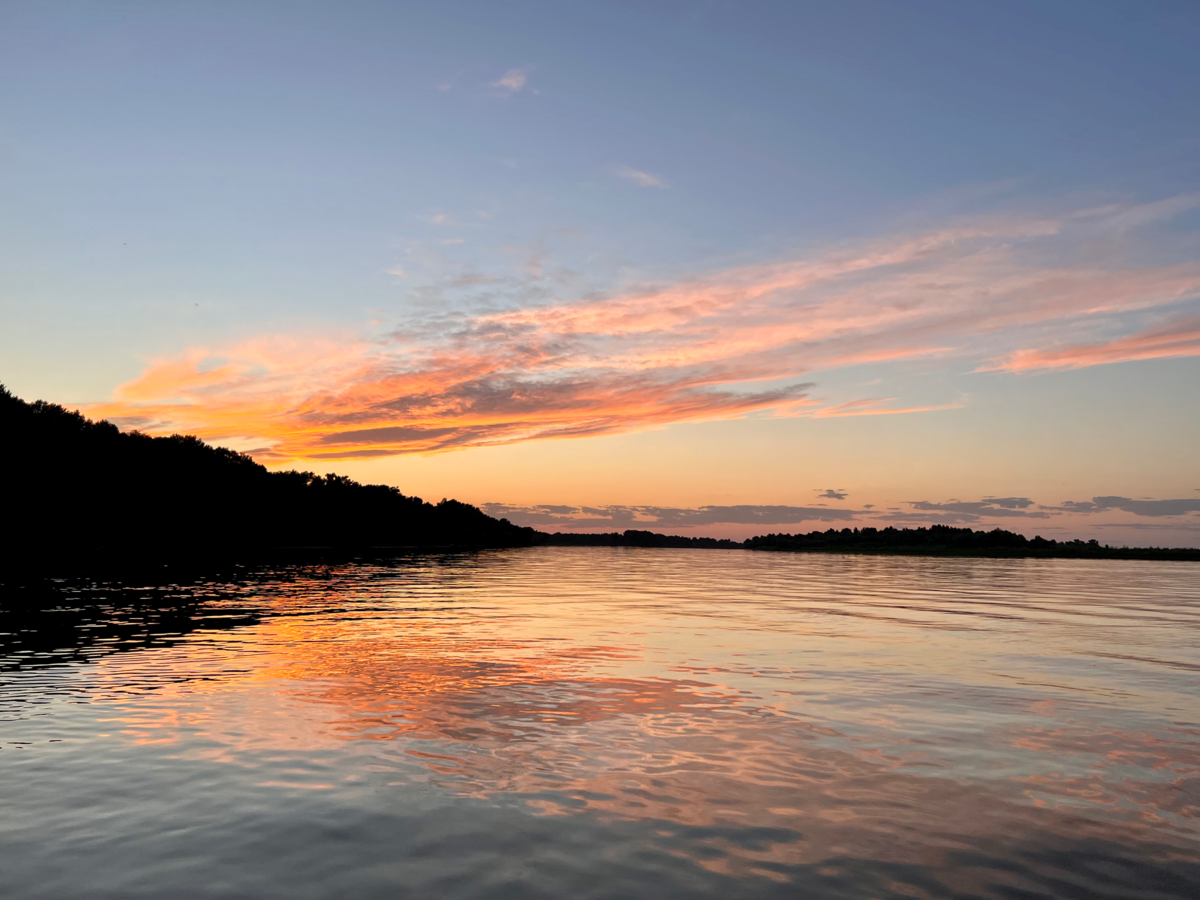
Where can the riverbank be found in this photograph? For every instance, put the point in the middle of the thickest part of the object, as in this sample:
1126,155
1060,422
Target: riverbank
938,540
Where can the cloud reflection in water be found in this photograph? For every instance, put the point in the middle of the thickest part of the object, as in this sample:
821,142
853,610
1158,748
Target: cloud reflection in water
866,726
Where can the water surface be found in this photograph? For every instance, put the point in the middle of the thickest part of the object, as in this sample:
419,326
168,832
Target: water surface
616,723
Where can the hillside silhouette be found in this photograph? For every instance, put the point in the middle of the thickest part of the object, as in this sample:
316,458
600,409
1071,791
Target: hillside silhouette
76,490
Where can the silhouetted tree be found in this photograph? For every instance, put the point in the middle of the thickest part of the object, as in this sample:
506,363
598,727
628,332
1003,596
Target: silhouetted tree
945,540
76,490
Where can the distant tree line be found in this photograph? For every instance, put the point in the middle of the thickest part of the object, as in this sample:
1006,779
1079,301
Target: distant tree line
76,493
937,540
633,538
77,490
945,540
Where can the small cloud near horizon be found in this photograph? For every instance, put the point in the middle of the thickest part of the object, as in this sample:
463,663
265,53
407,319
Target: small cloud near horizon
647,517
831,494
1151,508
923,512
973,511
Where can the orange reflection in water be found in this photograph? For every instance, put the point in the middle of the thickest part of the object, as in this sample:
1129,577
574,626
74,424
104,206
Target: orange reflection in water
563,728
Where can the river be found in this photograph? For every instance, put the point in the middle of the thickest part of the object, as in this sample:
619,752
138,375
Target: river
607,723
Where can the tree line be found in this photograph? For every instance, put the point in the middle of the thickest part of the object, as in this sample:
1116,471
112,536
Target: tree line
77,490
77,493
945,540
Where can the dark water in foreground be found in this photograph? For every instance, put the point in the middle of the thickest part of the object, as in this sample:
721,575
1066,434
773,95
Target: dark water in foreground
611,723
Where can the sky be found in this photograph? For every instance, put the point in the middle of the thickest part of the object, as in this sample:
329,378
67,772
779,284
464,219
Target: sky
702,268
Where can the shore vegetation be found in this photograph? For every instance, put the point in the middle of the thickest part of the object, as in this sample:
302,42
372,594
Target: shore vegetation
79,493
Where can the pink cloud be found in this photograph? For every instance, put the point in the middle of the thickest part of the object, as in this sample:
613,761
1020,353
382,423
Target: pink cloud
871,406
513,81
681,351
1180,337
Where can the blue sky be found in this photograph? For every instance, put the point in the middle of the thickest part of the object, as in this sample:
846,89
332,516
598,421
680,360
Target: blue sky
187,184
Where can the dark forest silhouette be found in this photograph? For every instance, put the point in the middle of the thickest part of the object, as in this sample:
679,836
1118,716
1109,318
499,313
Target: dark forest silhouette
944,540
937,540
75,490
78,493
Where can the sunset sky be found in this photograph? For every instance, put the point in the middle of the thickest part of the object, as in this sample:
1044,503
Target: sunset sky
703,268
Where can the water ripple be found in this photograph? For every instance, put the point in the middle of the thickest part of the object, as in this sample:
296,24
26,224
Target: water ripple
608,723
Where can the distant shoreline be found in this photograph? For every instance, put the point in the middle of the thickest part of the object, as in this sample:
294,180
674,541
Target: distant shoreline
181,568
938,540
84,497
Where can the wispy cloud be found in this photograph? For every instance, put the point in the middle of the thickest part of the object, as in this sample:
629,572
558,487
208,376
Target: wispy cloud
1126,504
872,406
1179,337
638,177
831,494
512,359
1181,527
513,81
921,512
992,508
618,518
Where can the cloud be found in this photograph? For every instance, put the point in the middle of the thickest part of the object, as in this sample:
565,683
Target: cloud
764,517
638,177
513,81
498,357
1151,526
871,407
917,519
1009,502
1179,337
831,494
1126,504
620,518
974,510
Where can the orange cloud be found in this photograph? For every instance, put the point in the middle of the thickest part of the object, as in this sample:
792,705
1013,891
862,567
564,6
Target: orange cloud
870,406
670,353
1180,337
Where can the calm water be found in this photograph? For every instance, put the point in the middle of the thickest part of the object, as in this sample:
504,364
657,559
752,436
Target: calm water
614,723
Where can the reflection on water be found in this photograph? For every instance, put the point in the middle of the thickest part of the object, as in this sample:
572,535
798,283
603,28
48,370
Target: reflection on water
609,723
